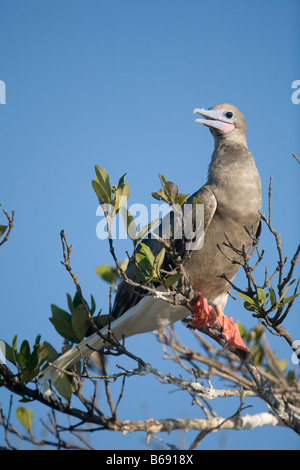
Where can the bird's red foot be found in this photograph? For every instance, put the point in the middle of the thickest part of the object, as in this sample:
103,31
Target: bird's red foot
205,316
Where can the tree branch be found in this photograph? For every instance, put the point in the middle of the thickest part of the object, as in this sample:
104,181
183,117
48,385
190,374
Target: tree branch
10,225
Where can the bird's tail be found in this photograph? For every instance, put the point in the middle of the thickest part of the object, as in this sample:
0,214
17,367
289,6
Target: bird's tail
150,313
84,349
132,322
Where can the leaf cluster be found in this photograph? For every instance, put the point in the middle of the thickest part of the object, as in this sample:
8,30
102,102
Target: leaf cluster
75,324
169,193
28,361
111,274
260,350
149,267
113,197
263,302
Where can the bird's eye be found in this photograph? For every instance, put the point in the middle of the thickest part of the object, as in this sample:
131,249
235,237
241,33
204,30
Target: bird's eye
229,114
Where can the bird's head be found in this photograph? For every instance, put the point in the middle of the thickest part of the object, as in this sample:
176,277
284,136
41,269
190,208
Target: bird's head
225,121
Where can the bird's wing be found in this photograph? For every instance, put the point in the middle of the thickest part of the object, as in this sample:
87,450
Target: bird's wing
128,296
207,196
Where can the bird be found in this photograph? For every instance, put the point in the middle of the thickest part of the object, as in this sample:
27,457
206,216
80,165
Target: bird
232,203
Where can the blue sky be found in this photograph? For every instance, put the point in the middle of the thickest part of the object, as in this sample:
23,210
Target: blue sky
114,84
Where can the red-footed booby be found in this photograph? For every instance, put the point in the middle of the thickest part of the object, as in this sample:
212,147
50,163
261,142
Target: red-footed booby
232,201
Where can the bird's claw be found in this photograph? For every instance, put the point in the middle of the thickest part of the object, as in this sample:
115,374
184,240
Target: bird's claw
205,316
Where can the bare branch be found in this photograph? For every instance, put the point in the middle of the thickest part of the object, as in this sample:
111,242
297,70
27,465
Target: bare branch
152,426
298,160
10,225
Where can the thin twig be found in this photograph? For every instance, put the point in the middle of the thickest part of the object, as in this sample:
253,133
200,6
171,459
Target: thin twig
296,157
269,198
10,225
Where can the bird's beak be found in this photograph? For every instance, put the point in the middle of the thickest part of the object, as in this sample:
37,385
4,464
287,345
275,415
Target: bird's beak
215,119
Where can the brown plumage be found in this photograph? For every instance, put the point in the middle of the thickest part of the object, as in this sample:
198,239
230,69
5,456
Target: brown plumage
232,199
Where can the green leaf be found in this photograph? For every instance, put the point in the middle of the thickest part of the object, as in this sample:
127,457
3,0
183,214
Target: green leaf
122,180
102,177
52,353
251,307
124,266
101,321
70,303
182,198
249,304
37,358
197,201
121,196
138,274
129,223
14,349
243,331
289,299
42,354
37,340
258,353
24,355
282,364
158,261
169,193
144,230
284,292
80,322
60,313
25,416
291,377
144,266
258,332
247,298
3,229
261,295
106,272
103,196
63,386
93,306
162,179
145,250
272,295
161,196
8,352
76,300
62,322
171,280
64,329
140,257
171,190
